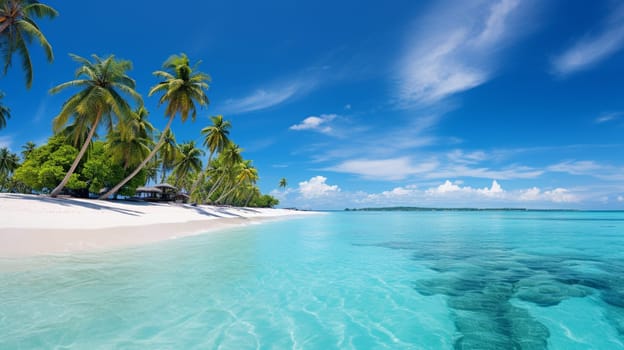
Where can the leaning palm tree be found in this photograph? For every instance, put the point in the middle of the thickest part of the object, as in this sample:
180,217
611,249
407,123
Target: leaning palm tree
18,29
245,173
181,89
103,82
226,165
283,183
5,112
188,162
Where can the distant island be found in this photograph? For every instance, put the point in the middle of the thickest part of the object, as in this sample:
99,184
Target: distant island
448,209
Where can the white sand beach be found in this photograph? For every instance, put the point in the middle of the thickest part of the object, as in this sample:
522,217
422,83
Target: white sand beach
35,225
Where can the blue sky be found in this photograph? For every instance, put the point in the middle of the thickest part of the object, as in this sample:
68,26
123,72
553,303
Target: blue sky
507,103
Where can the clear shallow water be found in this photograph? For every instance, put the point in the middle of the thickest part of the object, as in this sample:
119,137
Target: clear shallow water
366,280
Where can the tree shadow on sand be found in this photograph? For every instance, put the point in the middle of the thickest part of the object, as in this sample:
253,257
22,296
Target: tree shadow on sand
69,202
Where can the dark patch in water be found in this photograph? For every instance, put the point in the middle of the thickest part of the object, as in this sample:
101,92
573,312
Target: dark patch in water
481,280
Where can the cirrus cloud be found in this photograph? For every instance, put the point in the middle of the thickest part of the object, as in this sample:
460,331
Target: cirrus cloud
457,50
593,48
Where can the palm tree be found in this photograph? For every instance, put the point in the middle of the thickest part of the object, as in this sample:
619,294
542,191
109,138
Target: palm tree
182,88
245,174
102,81
253,192
228,159
189,161
138,125
77,133
223,166
17,29
5,112
168,154
28,148
8,163
129,143
215,138
216,135
283,183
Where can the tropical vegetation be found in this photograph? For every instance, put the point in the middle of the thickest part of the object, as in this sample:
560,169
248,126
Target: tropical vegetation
103,144
104,83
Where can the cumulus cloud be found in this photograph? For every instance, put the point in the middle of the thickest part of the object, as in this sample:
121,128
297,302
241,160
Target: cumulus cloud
384,169
394,194
593,47
452,188
316,187
457,49
314,123
454,193
558,195
316,193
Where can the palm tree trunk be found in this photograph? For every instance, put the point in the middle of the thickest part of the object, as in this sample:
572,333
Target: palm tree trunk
196,182
249,199
214,188
142,165
74,165
227,193
163,173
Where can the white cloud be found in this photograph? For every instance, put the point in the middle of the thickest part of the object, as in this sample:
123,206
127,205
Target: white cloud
315,123
589,168
317,194
457,49
607,117
459,156
558,195
620,198
394,194
258,100
383,169
452,188
594,47
316,187
453,193
576,167
461,170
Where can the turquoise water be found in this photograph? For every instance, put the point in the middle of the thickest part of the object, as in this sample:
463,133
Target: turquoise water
363,280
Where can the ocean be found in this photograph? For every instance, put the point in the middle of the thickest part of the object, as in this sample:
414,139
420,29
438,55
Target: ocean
342,280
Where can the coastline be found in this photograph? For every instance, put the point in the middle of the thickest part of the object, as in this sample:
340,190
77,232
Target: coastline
33,225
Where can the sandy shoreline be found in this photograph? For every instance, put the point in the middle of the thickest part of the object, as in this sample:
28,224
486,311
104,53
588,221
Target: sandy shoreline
36,225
